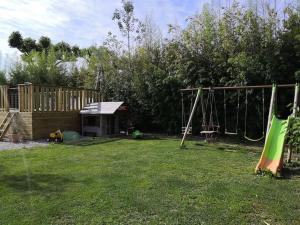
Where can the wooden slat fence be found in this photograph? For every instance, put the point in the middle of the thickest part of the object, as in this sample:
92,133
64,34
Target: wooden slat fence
4,104
34,98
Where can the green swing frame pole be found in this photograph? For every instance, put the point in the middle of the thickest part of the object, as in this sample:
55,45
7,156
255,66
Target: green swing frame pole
295,108
272,107
199,93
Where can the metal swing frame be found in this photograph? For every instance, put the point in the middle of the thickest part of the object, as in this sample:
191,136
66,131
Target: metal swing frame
237,114
200,91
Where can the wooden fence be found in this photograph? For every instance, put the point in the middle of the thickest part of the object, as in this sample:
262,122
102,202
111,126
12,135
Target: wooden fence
4,106
33,98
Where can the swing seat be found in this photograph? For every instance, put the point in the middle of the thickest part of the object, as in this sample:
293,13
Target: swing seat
214,129
209,132
254,140
231,133
188,132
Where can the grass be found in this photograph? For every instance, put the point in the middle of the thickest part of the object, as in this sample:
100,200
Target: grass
142,182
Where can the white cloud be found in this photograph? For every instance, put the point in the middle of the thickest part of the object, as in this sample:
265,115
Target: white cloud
82,22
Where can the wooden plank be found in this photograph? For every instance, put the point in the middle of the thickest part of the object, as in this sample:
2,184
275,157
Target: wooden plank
47,99
31,98
25,98
44,123
79,99
37,98
28,98
6,98
76,100
42,99
56,99
2,98
51,95
72,100
65,99
19,96
22,97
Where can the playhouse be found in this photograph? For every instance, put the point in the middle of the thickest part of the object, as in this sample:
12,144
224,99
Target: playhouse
102,118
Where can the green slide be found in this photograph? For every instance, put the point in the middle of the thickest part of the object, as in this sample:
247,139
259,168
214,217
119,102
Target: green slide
272,156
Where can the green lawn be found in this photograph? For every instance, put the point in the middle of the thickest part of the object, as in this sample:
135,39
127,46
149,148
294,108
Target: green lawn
142,182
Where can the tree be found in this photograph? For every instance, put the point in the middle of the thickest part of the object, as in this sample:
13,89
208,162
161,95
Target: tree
15,40
128,24
76,51
3,79
63,50
29,45
44,42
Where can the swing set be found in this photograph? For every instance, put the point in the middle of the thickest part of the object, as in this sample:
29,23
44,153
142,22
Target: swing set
210,117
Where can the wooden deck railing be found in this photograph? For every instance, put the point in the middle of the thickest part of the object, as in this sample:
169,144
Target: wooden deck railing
4,106
34,98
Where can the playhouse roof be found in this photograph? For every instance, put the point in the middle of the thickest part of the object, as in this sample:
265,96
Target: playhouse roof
107,108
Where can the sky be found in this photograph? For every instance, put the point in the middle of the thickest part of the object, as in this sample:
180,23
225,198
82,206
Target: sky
83,22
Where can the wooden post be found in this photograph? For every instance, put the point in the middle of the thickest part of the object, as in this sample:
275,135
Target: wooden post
38,98
56,99
191,116
42,99
272,106
6,102
1,98
295,109
80,99
73,99
83,98
20,96
47,105
68,99
65,99
32,102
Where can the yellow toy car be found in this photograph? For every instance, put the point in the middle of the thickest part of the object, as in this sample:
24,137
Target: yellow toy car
56,136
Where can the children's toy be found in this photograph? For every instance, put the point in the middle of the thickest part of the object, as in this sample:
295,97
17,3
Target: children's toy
137,134
56,136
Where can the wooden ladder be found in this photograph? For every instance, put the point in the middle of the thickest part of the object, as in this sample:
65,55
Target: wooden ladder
6,123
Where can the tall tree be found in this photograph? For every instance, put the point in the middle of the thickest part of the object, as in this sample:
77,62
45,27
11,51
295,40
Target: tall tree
128,24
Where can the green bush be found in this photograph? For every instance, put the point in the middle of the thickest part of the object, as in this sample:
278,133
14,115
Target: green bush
294,132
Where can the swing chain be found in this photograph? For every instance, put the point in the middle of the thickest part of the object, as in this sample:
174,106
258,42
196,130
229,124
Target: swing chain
246,113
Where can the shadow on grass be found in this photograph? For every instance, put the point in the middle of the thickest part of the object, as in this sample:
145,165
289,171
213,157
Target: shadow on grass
102,140
291,170
91,141
35,183
218,146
